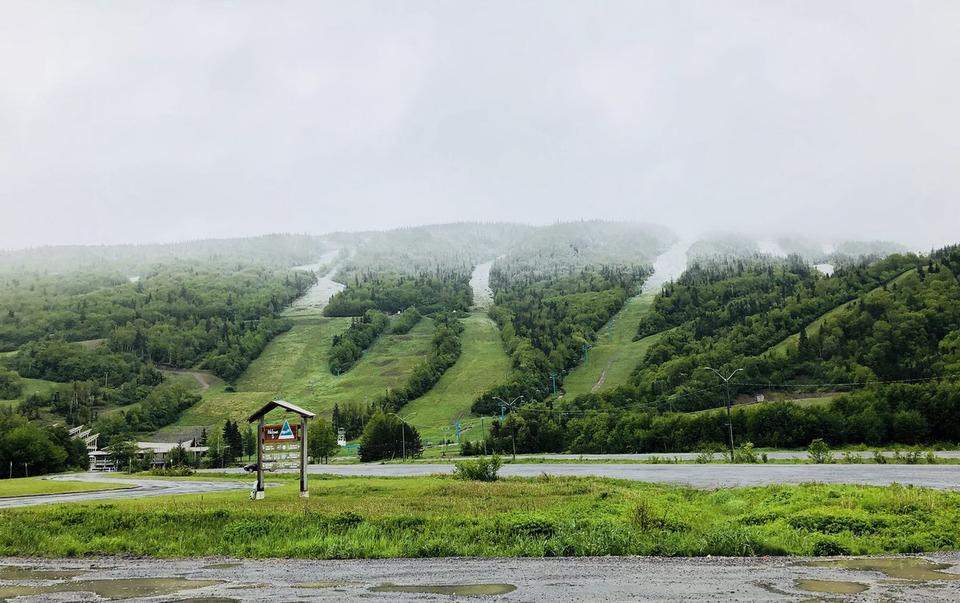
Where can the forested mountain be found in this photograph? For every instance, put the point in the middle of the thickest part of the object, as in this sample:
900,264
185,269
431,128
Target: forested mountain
98,329
555,291
730,314
276,250
443,248
437,290
886,330
103,336
725,246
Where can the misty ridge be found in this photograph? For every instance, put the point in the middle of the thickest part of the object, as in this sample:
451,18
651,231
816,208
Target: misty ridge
462,245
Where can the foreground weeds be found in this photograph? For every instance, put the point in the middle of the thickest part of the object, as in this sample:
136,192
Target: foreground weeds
440,516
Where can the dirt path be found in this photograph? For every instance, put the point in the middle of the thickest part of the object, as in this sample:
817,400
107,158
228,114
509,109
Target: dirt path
603,377
204,379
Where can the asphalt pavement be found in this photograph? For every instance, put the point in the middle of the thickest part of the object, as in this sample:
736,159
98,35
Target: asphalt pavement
717,475
446,579
138,488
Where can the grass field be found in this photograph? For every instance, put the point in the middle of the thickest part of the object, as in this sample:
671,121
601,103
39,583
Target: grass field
813,401
31,386
440,516
294,367
483,364
25,486
794,340
615,354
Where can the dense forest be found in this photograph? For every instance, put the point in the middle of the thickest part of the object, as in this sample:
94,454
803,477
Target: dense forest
438,291
179,315
729,314
443,248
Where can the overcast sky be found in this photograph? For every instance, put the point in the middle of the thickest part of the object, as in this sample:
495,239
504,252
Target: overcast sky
135,121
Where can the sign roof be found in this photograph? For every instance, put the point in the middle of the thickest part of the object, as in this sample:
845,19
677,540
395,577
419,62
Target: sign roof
281,404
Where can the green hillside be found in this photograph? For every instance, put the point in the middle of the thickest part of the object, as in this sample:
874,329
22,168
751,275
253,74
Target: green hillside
615,354
793,340
483,363
294,367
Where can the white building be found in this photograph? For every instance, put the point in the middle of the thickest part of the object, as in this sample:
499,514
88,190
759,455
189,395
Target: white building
157,453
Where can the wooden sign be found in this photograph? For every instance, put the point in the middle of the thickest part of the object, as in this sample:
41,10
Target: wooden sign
281,432
283,445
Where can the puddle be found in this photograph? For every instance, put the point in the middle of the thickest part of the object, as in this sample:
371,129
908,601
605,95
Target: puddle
222,566
123,588
835,587
17,572
459,590
903,568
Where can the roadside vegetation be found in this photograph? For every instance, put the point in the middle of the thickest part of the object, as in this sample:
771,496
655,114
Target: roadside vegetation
444,516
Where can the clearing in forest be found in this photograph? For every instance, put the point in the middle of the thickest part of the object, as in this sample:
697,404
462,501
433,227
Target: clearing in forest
615,354
294,367
483,363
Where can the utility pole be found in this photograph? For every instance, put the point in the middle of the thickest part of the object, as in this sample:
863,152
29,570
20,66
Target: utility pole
483,436
513,434
726,383
403,434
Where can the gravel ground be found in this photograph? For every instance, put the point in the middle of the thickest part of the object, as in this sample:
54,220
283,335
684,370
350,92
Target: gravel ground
580,579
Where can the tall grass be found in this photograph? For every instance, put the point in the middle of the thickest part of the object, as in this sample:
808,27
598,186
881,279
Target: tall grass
442,516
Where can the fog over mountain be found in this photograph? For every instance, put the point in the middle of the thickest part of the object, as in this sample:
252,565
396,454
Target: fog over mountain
166,121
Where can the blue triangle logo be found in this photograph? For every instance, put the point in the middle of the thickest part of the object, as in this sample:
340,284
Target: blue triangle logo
285,432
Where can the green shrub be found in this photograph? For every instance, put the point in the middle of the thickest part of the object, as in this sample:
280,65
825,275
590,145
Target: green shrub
746,454
827,522
176,471
731,541
819,452
648,517
482,469
534,526
829,547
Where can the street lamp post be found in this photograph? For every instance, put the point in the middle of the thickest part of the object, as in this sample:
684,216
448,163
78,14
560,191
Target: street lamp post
403,434
726,383
513,432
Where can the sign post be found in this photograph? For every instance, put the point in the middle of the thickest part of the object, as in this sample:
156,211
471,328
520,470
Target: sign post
283,445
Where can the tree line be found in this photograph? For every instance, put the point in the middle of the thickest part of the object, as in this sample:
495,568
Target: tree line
887,415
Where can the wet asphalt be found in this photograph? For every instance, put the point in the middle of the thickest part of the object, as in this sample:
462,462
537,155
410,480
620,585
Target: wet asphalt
699,476
532,580
138,488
